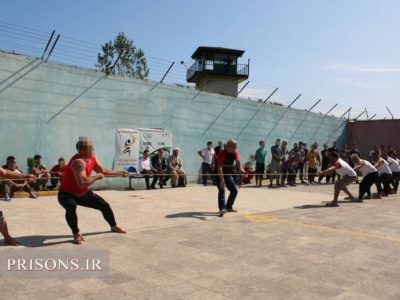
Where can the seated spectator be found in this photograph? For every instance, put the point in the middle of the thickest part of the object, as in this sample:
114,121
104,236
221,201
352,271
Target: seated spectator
160,164
56,173
147,170
40,171
9,187
176,169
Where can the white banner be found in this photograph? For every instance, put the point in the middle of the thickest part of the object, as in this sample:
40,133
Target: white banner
127,143
130,144
154,139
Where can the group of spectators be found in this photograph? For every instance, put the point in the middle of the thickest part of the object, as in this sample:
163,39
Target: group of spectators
35,167
162,169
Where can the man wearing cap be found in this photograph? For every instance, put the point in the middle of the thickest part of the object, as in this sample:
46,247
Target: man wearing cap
74,189
9,187
207,156
56,172
7,174
175,167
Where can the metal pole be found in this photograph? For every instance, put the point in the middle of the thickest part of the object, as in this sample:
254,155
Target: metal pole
242,88
294,100
345,113
259,108
330,109
389,112
52,48
372,117
48,43
316,103
115,63
166,73
359,115
366,111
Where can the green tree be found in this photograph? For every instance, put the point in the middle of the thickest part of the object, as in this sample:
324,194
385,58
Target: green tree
132,61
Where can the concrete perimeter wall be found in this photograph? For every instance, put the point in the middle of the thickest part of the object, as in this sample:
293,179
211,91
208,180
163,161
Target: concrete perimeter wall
46,107
374,132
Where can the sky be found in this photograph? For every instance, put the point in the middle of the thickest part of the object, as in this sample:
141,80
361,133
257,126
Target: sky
343,52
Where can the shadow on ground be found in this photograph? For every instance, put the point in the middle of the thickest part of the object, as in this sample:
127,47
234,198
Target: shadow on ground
35,241
197,215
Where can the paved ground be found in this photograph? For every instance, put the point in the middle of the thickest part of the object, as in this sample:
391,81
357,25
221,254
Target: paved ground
282,244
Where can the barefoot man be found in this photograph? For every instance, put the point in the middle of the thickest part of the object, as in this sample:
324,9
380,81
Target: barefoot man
74,188
9,240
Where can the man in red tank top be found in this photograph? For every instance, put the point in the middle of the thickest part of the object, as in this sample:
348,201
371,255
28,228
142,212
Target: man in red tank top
74,188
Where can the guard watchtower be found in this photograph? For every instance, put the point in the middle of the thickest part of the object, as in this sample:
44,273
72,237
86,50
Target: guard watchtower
216,70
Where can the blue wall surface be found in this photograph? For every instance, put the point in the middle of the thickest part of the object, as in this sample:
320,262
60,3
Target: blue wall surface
46,107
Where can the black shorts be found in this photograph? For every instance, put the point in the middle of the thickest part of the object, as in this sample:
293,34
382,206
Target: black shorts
1,216
260,168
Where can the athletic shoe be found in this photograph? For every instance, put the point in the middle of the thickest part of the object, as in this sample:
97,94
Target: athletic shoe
222,212
231,210
33,196
7,198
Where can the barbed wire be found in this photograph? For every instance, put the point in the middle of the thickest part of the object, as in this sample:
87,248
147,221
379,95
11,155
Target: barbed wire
69,50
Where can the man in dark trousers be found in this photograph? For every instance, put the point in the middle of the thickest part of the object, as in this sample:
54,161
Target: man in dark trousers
74,188
160,164
228,160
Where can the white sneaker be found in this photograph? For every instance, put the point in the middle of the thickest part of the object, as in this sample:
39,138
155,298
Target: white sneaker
7,198
222,212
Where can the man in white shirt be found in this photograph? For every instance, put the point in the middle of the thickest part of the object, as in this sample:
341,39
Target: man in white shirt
369,173
395,168
147,170
385,174
347,176
207,155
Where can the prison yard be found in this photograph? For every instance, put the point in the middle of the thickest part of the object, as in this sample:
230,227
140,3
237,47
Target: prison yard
281,244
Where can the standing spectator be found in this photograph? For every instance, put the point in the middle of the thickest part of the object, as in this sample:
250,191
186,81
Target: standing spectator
313,162
290,166
348,175
175,166
276,162
260,163
207,156
9,186
305,166
284,157
369,173
303,156
227,160
160,164
385,174
40,171
395,168
56,173
324,164
146,169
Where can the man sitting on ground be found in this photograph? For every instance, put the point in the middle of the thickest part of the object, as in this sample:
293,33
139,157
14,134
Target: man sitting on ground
348,175
175,166
160,164
9,186
146,169
56,173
